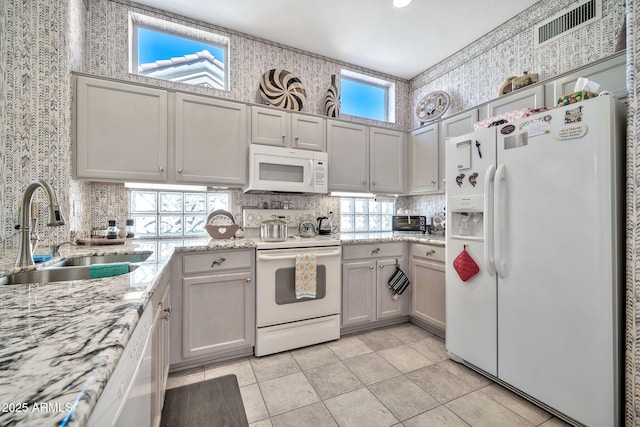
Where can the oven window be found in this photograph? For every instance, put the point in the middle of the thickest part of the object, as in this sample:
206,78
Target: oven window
286,285
281,173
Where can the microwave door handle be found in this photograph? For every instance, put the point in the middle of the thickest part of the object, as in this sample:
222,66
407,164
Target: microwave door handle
264,257
311,173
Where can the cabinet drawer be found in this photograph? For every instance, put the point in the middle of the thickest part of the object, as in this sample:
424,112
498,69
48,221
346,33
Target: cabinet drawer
380,250
435,253
213,262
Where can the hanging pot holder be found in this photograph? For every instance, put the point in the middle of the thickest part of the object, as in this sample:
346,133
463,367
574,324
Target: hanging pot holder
398,282
465,265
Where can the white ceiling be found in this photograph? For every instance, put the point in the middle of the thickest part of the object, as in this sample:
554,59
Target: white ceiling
368,33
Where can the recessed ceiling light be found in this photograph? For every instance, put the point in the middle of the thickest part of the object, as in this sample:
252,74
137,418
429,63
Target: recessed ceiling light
401,3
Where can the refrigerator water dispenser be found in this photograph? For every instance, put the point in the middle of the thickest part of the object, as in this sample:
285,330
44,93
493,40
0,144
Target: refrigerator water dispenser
467,216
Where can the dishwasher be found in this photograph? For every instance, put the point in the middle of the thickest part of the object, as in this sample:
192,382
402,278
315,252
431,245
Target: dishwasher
126,399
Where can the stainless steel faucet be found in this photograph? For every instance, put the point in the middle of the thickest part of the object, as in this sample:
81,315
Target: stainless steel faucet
55,248
56,219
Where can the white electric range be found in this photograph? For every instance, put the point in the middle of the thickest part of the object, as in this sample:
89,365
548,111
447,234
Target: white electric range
284,321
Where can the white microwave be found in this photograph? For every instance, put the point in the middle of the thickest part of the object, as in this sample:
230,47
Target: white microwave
278,169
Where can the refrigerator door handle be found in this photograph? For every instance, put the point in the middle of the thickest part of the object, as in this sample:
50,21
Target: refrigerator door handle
489,181
499,218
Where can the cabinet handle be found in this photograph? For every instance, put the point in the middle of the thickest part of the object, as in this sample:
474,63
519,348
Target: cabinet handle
218,261
160,169
179,170
431,252
167,313
371,267
375,251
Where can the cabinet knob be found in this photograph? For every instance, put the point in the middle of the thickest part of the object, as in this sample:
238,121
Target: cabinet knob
218,261
284,137
179,170
434,182
381,266
297,138
167,313
444,180
374,183
371,267
364,182
160,169
248,279
431,252
168,309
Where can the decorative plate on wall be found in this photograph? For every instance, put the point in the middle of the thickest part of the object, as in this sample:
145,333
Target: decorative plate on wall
281,88
432,106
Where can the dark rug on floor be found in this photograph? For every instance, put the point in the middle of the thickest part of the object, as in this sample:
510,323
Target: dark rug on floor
212,403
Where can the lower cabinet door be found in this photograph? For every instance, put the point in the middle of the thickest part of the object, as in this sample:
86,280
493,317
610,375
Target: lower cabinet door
428,283
387,306
217,313
358,292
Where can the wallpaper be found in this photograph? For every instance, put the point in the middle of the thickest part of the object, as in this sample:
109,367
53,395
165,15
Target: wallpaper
42,41
473,75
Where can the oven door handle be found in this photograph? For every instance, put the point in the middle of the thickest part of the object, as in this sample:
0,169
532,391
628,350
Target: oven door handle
265,257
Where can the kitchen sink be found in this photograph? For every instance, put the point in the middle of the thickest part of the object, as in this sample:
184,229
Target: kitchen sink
79,268
103,259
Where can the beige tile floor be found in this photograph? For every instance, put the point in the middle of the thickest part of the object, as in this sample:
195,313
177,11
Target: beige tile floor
394,376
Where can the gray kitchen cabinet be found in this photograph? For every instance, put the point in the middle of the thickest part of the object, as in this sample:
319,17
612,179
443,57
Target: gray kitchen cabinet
450,127
160,352
348,148
363,159
120,131
366,270
428,282
532,97
271,126
424,171
214,308
386,161
609,73
210,141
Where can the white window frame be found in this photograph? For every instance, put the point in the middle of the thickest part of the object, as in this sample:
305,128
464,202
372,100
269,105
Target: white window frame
388,87
137,20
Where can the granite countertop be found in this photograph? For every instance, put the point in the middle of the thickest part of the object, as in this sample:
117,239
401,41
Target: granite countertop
368,238
62,340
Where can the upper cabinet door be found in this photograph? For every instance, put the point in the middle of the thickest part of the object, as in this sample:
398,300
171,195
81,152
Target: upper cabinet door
270,126
348,147
423,160
308,132
386,161
211,140
121,131
522,98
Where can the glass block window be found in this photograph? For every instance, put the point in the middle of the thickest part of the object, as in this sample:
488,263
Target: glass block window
365,214
174,213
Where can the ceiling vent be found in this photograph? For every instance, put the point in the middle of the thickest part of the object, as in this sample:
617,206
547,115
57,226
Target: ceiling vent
568,20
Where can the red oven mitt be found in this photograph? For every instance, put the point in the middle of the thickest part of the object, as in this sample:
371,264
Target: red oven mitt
465,265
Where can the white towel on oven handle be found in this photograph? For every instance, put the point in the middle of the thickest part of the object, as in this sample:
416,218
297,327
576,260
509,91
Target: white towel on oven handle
306,276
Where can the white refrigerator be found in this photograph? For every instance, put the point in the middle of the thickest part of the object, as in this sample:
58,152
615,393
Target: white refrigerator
538,204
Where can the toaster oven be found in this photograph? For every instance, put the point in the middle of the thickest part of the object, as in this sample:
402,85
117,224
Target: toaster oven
409,224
